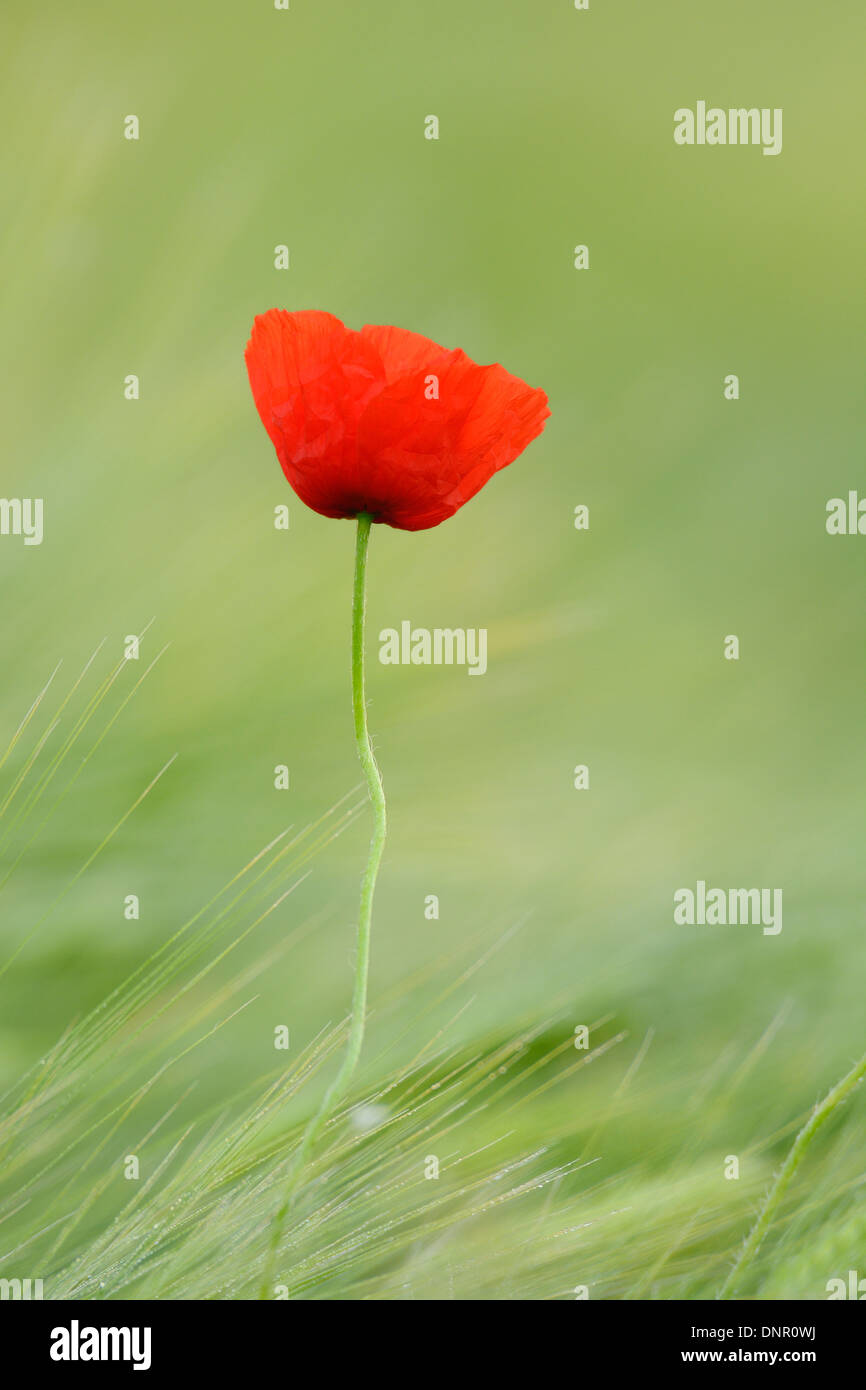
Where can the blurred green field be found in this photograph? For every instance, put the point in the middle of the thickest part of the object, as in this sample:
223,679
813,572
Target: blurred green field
306,127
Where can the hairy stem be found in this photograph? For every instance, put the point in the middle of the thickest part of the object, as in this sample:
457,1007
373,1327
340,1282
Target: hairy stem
340,1085
822,1112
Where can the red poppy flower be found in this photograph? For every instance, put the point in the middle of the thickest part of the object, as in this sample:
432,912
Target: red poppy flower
384,421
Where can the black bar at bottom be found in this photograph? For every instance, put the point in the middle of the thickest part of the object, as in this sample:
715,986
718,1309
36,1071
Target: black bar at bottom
72,1339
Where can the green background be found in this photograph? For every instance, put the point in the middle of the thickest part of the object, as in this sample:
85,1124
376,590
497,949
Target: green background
306,127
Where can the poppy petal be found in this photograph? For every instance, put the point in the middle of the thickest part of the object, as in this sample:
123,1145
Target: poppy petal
384,421
441,428
311,378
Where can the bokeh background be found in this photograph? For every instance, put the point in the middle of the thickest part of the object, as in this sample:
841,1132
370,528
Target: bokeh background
260,127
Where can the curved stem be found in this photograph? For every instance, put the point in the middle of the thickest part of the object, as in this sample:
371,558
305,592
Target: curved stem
822,1112
340,1085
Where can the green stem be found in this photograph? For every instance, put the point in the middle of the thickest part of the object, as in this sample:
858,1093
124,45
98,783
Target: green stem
822,1112
340,1085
